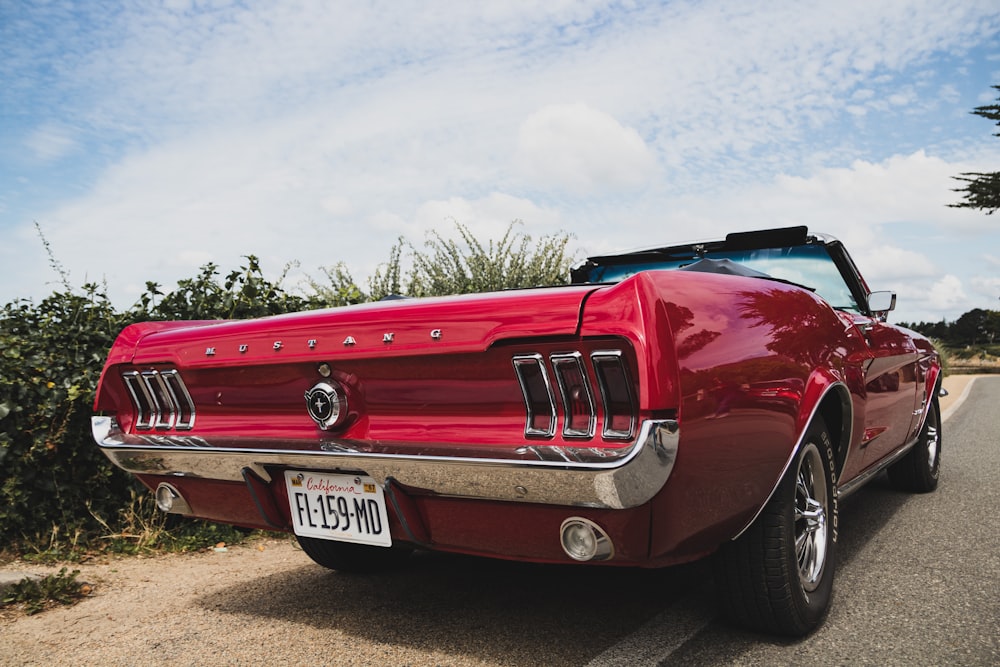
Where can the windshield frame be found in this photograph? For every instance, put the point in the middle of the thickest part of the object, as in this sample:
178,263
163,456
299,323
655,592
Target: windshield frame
757,251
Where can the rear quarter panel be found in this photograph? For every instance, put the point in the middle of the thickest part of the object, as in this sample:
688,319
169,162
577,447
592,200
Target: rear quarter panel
744,362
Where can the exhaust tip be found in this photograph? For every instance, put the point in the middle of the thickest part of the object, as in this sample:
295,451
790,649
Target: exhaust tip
584,540
170,500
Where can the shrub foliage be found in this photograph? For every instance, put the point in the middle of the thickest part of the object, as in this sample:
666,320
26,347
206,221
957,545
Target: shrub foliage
51,355
447,266
34,595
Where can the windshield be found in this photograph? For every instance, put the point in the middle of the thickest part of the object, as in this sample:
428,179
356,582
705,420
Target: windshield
807,265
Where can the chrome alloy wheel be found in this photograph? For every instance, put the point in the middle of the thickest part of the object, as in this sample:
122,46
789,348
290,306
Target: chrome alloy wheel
933,438
812,505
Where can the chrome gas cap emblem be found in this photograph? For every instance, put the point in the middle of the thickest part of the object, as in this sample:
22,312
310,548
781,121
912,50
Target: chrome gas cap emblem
326,405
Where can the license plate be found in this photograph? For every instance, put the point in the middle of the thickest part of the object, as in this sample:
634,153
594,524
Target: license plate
346,508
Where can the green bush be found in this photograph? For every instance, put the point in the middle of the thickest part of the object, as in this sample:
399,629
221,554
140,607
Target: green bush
450,267
446,266
51,355
243,294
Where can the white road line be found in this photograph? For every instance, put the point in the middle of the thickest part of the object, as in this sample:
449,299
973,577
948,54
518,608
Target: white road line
961,399
655,640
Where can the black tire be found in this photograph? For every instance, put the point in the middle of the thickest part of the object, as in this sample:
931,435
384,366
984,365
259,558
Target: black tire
778,576
356,558
918,470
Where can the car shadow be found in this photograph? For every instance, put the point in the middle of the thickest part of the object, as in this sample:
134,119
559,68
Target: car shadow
521,613
862,516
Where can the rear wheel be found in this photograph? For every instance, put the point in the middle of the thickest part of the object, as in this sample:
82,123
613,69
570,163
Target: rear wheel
349,557
918,471
778,576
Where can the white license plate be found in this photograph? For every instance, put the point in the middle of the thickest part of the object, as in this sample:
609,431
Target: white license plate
346,508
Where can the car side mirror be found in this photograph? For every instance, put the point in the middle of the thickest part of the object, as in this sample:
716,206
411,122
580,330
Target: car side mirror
880,303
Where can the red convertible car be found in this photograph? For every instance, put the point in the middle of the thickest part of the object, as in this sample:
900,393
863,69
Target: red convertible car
714,398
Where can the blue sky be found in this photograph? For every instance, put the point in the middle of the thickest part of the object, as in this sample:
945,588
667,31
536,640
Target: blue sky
146,139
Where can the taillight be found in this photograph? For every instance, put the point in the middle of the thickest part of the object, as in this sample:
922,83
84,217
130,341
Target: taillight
538,397
160,399
616,394
577,406
577,399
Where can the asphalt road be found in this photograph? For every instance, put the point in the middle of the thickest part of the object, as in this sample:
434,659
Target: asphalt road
918,583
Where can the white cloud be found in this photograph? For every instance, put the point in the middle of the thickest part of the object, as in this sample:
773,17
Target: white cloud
192,259
320,132
888,263
487,216
165,212
337,206
903,187
50,142
892,216
947,293
988,287
576,147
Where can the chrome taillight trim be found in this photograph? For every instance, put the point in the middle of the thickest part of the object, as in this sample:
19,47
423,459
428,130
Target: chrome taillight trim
613,383
181,398
163,412
603,361
568,362
523,365
161,400
141,400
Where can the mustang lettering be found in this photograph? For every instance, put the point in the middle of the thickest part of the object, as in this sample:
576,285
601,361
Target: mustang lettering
701,400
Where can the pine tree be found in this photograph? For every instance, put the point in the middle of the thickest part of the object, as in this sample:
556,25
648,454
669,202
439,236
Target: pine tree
982,190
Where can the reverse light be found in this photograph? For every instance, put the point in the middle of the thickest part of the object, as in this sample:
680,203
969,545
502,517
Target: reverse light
584,540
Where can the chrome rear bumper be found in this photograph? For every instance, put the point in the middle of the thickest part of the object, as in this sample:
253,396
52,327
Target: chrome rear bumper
625,482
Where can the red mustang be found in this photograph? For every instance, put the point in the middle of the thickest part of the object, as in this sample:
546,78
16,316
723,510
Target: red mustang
707,398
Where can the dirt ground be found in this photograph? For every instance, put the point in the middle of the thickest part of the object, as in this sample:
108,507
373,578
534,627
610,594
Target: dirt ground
138,604
265,602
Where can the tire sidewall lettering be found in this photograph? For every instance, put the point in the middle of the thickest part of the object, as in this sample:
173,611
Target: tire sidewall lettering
831,470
